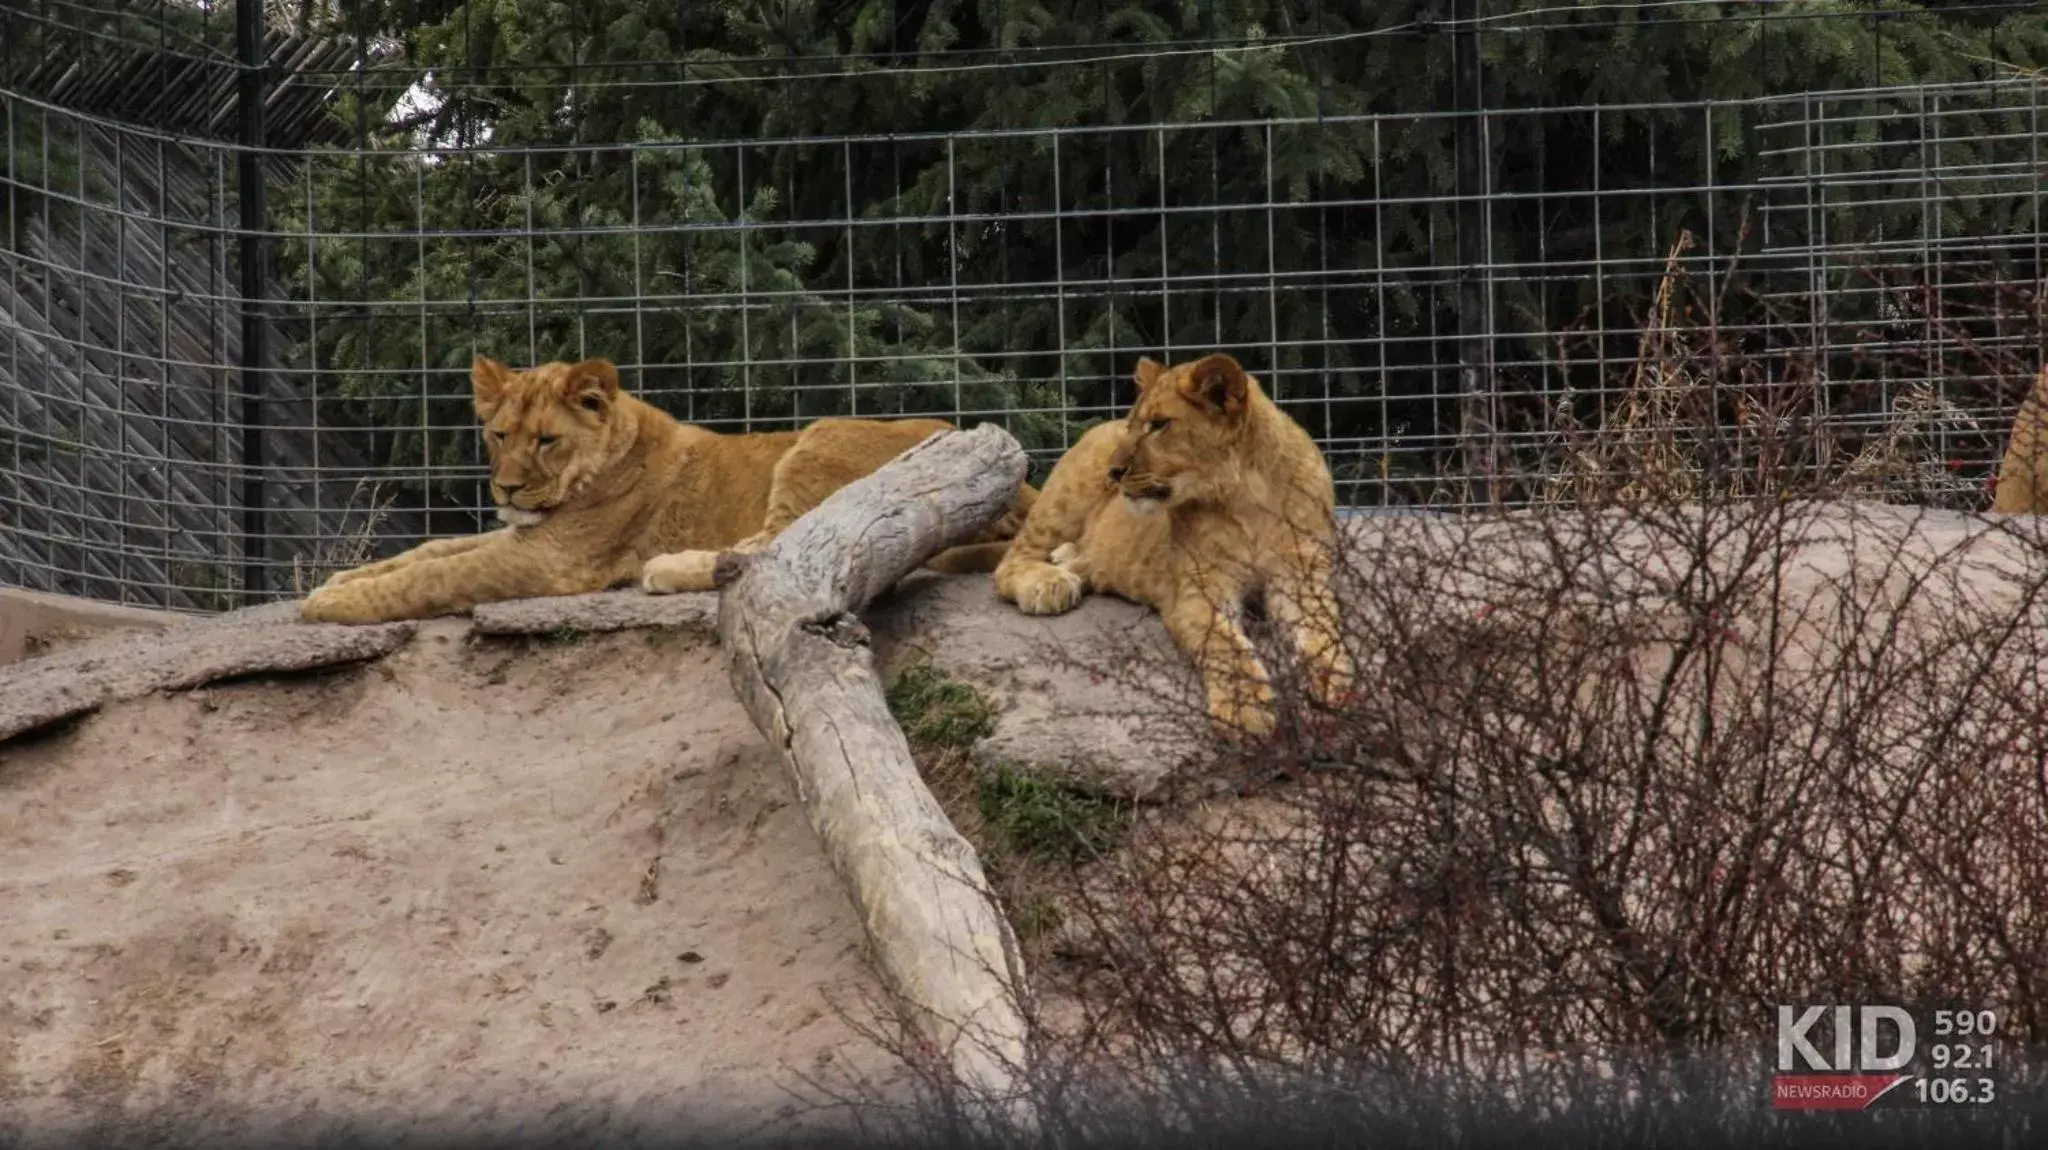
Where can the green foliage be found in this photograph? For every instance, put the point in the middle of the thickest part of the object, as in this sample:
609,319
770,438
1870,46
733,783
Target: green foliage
1021,817
1034,914
937,711
698,216
41,171
1049,823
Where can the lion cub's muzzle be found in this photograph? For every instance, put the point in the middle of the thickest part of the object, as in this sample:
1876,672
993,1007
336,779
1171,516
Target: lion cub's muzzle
1144,498
510,512
512,516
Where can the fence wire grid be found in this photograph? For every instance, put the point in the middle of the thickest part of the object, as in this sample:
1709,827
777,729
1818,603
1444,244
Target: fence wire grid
236,349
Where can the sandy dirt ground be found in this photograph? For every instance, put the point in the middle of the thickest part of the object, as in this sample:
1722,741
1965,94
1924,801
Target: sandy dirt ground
477,886
535,885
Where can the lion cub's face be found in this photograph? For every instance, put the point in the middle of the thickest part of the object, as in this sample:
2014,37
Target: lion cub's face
547,431
1181,437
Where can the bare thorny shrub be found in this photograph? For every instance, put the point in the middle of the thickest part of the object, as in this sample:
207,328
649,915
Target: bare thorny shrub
1620,786
1624,774
1707,410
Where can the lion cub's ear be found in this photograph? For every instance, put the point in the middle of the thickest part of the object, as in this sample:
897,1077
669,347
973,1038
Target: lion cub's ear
488,380
1216,382
1147,372
592,385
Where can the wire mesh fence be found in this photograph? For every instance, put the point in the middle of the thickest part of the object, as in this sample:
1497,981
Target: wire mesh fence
987,234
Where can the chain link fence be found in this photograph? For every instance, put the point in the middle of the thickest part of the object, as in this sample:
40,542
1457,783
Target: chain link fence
235,347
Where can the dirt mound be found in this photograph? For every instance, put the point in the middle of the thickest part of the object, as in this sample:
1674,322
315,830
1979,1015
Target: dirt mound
537,869
481,883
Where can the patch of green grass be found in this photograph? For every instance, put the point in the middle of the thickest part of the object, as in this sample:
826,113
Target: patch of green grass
1035,916
1050,823
563,635
1013,818
937,711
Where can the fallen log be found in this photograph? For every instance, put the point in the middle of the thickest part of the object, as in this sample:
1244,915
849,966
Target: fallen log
788,619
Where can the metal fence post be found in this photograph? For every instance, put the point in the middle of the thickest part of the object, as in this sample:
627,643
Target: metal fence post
1476,422
253,220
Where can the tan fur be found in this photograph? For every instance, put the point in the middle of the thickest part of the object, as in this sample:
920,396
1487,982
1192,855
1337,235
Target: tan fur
1206,494
601,489
2023,476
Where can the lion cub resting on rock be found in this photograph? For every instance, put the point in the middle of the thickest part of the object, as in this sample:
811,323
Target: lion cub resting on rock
1205,495
598,489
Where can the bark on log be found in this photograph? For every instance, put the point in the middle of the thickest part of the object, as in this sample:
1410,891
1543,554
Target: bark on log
802,666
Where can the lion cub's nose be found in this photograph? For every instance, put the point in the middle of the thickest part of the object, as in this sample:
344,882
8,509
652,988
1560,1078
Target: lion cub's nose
510,488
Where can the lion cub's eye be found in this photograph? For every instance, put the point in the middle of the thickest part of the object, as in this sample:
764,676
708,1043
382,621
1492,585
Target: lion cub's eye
1158,425
546,439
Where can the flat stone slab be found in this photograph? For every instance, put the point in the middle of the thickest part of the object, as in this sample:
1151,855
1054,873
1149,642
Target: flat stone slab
621,610
603,611
119,667
269,639
1097,697
1081,698
32,621
282,611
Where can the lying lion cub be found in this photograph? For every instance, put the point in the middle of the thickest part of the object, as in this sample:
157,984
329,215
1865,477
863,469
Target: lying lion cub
599,489
1207,494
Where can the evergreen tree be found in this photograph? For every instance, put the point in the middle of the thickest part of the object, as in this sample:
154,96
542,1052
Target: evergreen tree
671,184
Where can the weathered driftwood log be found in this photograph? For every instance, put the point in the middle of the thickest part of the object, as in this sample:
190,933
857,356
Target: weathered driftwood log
802,667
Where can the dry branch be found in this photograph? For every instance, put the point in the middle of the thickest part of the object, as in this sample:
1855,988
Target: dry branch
802,666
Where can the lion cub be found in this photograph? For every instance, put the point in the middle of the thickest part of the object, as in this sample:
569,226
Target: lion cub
1205,495
2022,484
598,489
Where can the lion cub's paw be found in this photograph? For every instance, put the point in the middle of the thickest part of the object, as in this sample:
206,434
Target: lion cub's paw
1243,708
1066,555
328,605
681,571
1044,589
1332,679
313,608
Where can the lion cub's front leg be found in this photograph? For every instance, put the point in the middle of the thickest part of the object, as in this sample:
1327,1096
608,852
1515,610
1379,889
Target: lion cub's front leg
680,571
703,570
1050,586
709,570
1204,625
1303,605
1040,577
497,569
